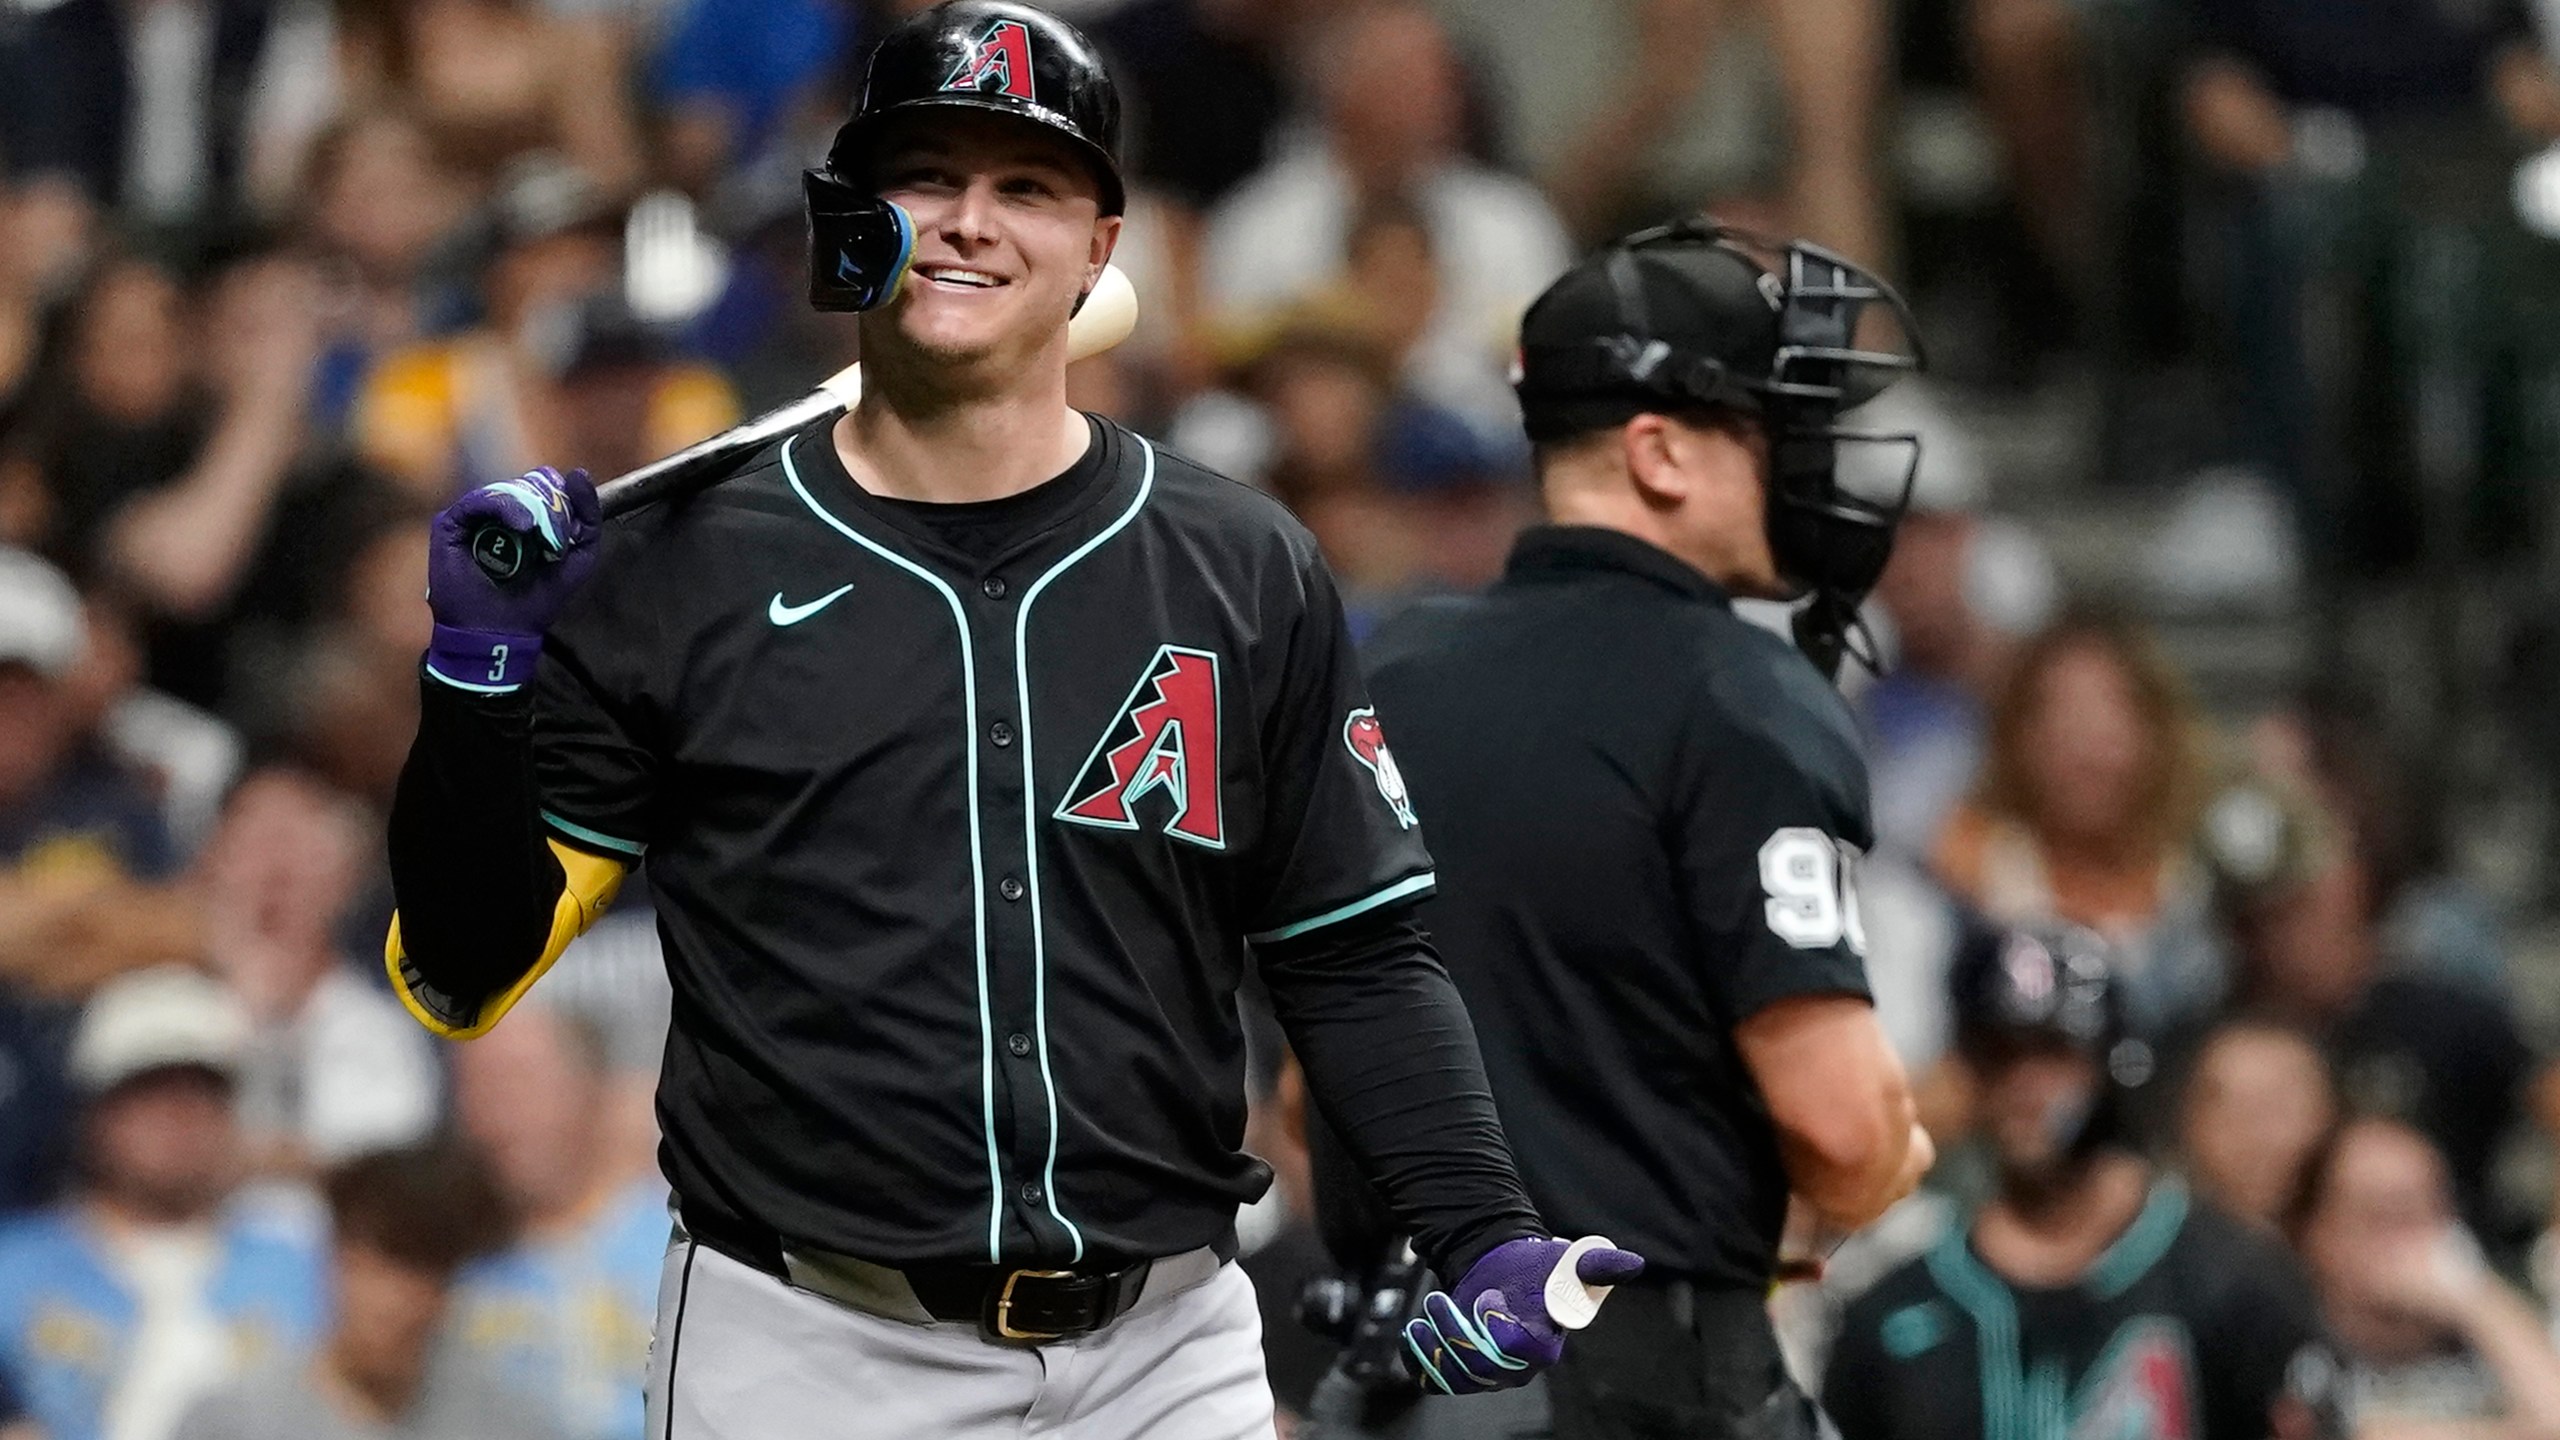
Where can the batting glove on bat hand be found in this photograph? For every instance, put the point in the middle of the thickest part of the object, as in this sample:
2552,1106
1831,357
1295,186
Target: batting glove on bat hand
1492,1330
488,631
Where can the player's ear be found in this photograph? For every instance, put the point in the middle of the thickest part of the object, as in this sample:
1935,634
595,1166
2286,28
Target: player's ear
1106,239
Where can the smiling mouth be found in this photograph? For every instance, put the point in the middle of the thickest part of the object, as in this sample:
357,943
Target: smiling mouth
959,277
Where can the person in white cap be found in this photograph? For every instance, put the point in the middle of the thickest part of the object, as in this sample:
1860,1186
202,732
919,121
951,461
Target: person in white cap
82,849
77,827
136,1294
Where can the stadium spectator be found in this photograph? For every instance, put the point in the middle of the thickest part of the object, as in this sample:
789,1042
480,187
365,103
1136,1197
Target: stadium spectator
84,854
1207,86
486,404
166,461
613,981
1963,588
1635,111
161,112
563,1316
1388,131
376,207
2444,1057
127,1302
730,72
1402,496
2435,1343
353,699
79,832
2086,810
2257,1102
485,76
2339,132
337,1070
404,1223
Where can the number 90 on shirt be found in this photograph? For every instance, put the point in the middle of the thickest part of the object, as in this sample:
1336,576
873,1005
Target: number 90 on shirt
1812,883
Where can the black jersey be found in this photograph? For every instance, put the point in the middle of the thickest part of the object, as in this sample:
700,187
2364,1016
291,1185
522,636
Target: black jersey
2189,1327
957,836
1648,815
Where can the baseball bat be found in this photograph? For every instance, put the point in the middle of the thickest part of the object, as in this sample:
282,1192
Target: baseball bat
1106,318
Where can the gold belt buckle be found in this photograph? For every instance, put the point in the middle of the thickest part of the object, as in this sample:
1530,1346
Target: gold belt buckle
1004,1305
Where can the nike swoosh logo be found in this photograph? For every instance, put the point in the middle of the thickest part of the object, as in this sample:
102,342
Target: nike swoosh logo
781,614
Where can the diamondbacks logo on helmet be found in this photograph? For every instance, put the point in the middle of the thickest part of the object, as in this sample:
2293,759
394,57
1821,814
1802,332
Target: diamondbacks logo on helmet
1001,56
1368,744
1164,743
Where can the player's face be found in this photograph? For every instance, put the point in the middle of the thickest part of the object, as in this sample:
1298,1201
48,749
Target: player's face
1009,231
2035,1100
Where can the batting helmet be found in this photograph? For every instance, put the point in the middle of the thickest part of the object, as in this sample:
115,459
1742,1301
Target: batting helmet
2052,985
1699,315
989,56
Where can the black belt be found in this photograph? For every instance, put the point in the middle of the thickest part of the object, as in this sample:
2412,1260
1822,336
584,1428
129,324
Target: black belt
1015,1305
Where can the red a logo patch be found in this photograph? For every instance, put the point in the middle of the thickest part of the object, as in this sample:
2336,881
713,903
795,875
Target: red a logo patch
1367,740
1165,739
1003,56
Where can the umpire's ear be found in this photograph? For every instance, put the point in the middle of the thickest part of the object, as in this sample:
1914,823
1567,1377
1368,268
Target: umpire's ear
1659,460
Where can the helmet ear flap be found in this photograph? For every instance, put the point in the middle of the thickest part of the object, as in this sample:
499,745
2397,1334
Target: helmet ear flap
859,244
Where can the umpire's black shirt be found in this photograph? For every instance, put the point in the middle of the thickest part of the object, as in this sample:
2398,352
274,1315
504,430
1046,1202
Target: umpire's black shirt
959,821
1646,812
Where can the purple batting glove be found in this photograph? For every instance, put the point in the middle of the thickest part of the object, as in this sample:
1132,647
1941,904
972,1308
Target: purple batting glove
488,632
1491,1331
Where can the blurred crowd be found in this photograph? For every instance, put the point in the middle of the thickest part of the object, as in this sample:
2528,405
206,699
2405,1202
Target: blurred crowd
278,278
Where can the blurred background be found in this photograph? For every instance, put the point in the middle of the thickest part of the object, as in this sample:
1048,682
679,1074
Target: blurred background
2227,622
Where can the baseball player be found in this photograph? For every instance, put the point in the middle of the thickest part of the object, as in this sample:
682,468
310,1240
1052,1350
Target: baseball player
974,745
2093,1297
1650,814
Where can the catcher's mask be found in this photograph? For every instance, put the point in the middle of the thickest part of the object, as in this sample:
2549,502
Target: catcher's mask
1700,316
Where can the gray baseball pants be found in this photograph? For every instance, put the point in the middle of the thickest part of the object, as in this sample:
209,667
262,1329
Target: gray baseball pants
740,1355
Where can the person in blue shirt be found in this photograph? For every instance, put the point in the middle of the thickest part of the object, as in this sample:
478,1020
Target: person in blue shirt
564,1315
122,1304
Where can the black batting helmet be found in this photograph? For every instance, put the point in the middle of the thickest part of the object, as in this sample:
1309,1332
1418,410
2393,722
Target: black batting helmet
1700,316
990,56
2051,985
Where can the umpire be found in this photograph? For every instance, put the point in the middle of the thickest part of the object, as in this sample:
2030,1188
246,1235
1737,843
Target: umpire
1648,813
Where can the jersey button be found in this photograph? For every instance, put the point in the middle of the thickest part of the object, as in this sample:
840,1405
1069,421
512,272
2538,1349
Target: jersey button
993,587
1018,1043
1009,888
1001,733
1031,1194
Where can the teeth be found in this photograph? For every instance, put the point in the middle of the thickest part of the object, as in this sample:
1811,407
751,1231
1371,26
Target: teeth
949,276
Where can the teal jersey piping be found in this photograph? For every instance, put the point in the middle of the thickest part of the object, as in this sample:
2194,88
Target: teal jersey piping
585,836
1980,1294
2007,1395
977,849
1410,885
1031,811
2143,1242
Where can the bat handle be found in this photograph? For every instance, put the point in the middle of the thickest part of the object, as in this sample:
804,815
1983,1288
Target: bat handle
498,551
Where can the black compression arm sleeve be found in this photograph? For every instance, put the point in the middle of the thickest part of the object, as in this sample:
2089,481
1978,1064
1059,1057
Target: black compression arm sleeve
470,863
1392,1063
